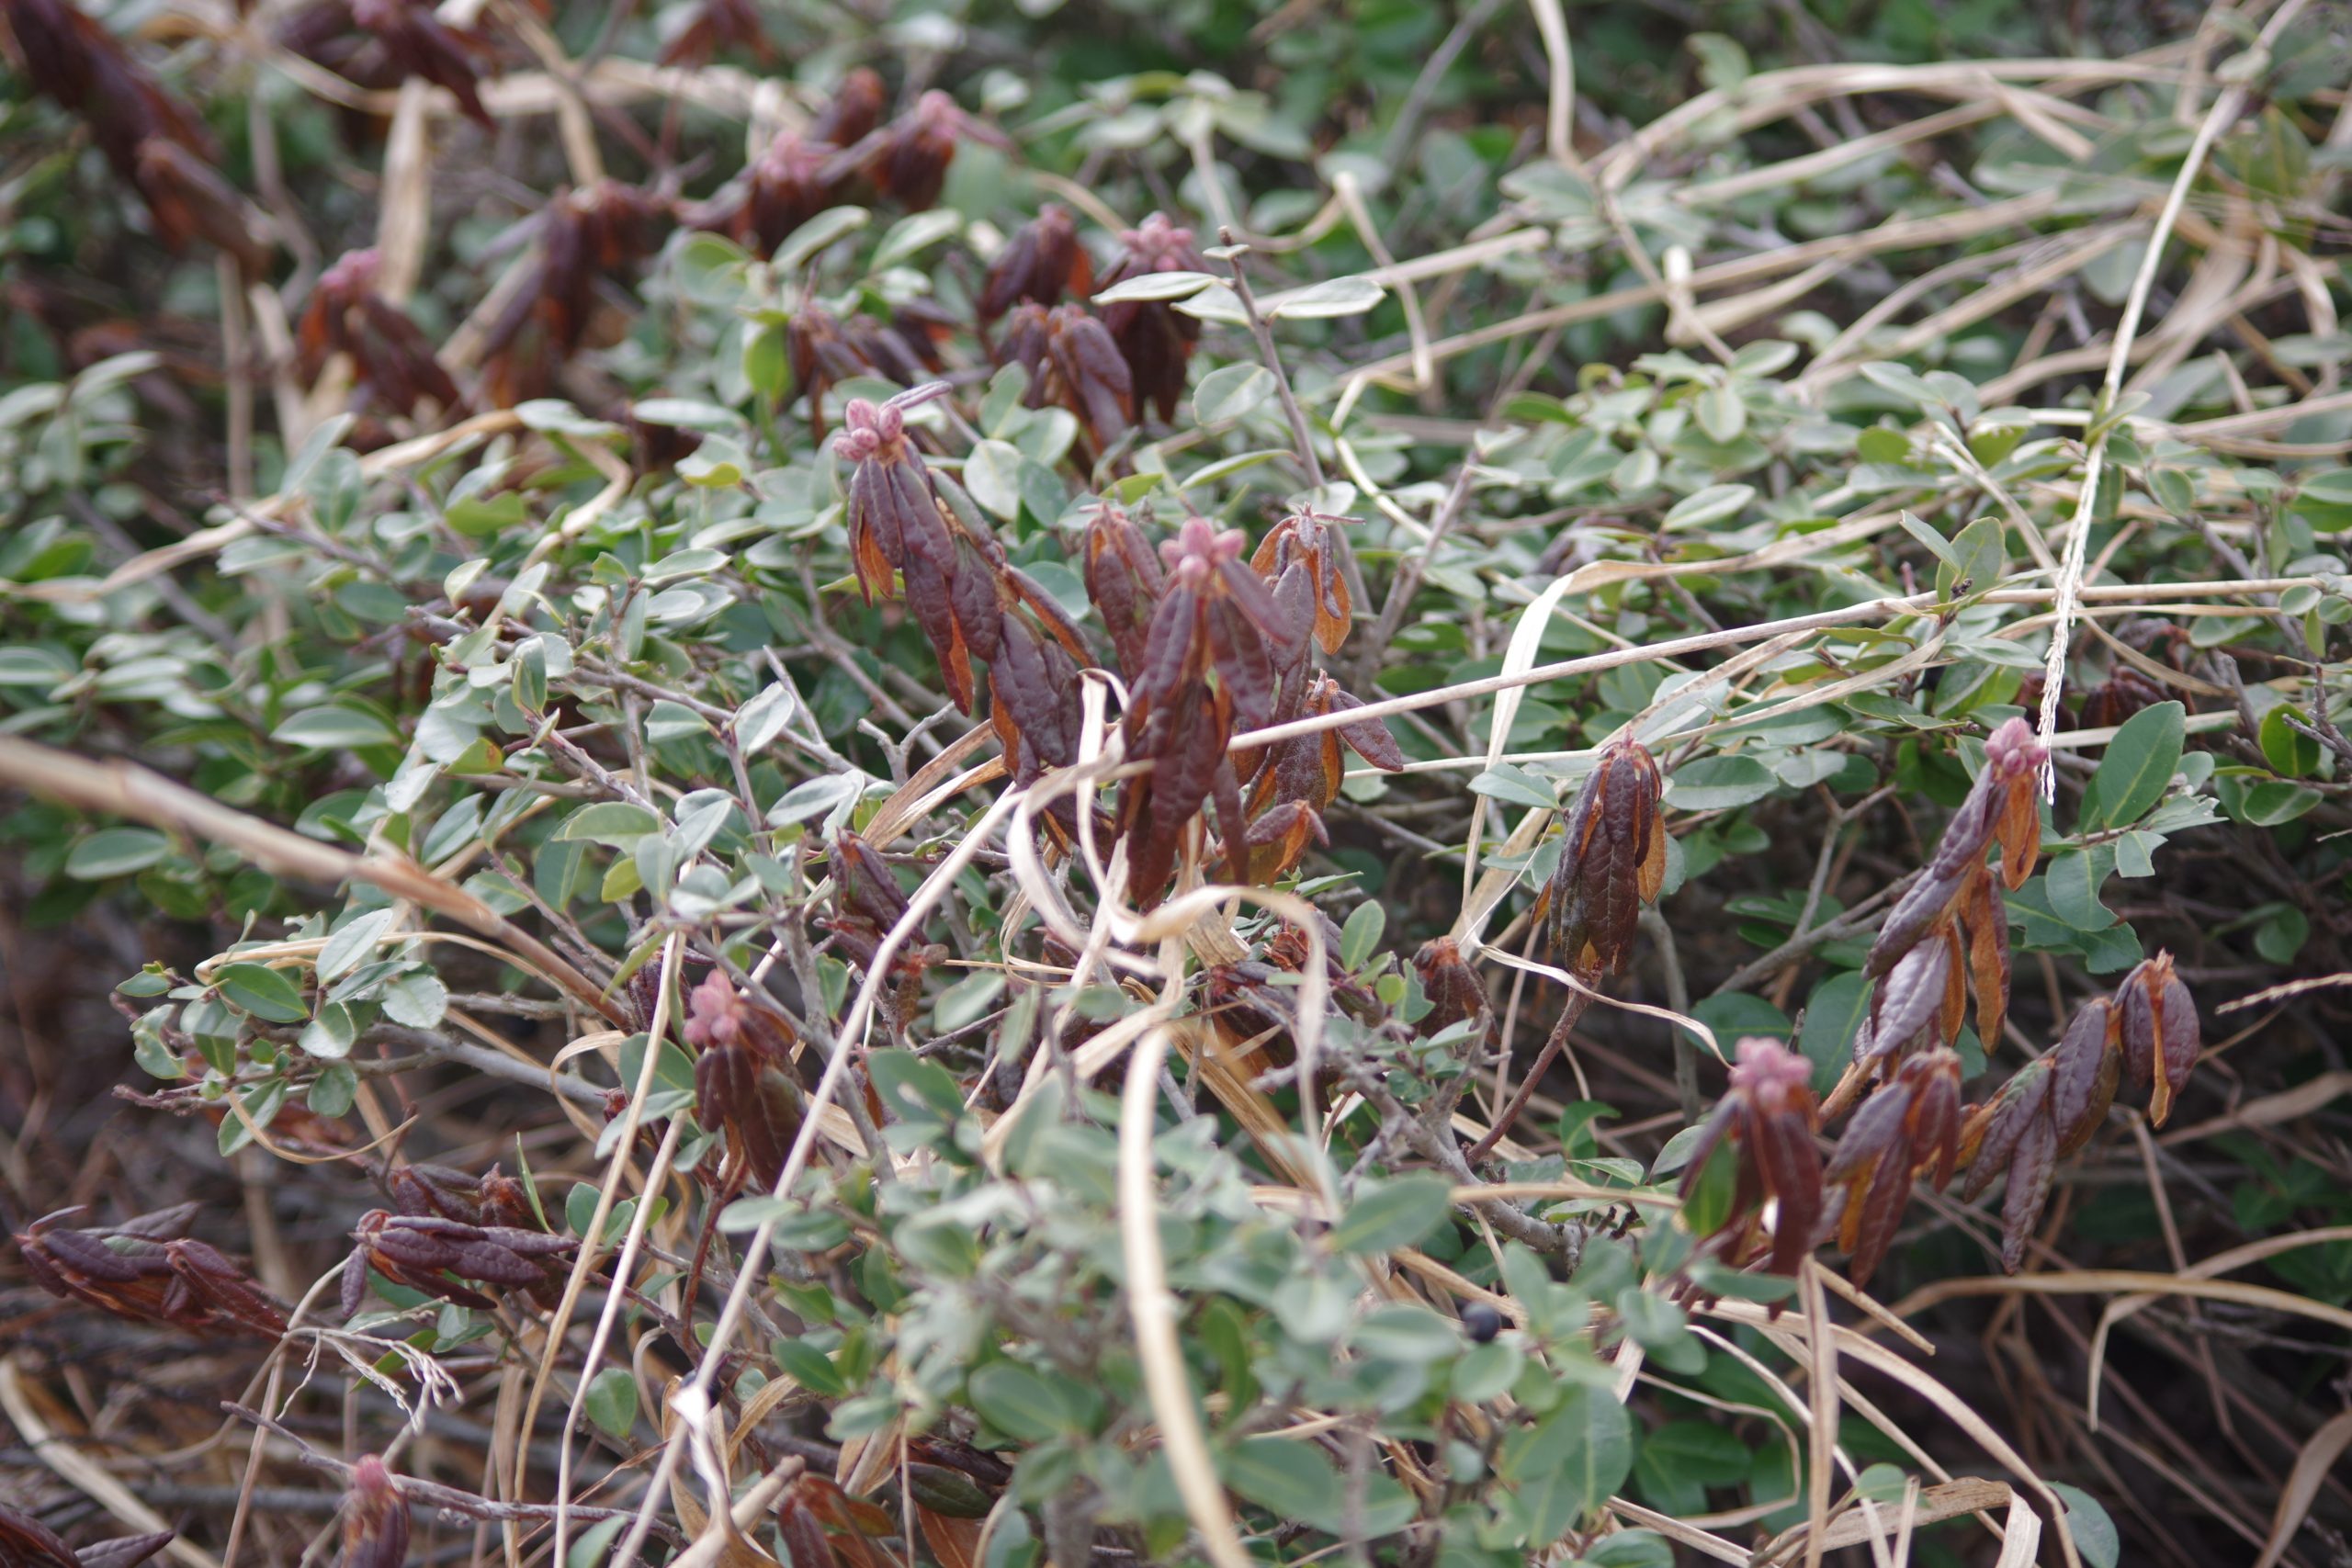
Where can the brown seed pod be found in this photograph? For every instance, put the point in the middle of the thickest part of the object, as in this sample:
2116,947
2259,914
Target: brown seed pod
1123,579
1769,1114
1918,998
375,1518
1612,862
2084,1071
419,43
1041,262
26,1543
714,24
1454,991
1155,338
2156,1021
1908,1128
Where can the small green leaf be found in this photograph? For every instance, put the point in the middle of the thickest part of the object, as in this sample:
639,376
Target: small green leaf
1024,1403
767,366
1230,392
1397,1213
1718,783
333,1091
1156,285
334,728
328,1036
2281,935
1977,559
2140,762
1507,781
2086,1521
612,1401
1712,504
615,823
2290,753
1571,1464
352,943
595,1544
1294,1481
1721,412
115,851
914,1089
1336,297
966,1000
262,992
1361,936
833,223
417,998
992,473
1833,1014
2073,881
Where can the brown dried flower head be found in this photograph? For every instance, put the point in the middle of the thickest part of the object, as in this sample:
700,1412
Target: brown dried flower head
392,360
1072,362
26,1543
1769,1114
714,24
418,43
1123,579
1311,768
1613,862
853,112
2156,1023
896,526
1155,338
1951,930
743,1078
375,1518
430,1254
907,159
1454,991
144,1272
1040,263
1908,1128
2052,1106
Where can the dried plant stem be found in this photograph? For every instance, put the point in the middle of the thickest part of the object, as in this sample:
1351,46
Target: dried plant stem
2226,111
624,1146
1152,1307
123,789
1560,97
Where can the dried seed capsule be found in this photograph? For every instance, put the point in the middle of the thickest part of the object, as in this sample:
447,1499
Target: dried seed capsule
1613,859
1909,1126
1453,989
1768,1113
2084,1070
375,1518
1041,261
2159,1032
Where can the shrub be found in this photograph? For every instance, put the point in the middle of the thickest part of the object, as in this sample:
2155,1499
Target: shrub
851,822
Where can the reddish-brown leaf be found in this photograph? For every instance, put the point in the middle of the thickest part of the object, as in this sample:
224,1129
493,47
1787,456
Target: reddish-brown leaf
26,1543
2030,1170
2084,1071
1995,1129
1911,1000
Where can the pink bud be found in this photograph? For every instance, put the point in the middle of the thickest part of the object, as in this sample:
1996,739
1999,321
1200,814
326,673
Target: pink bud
2012,751
1765,1063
